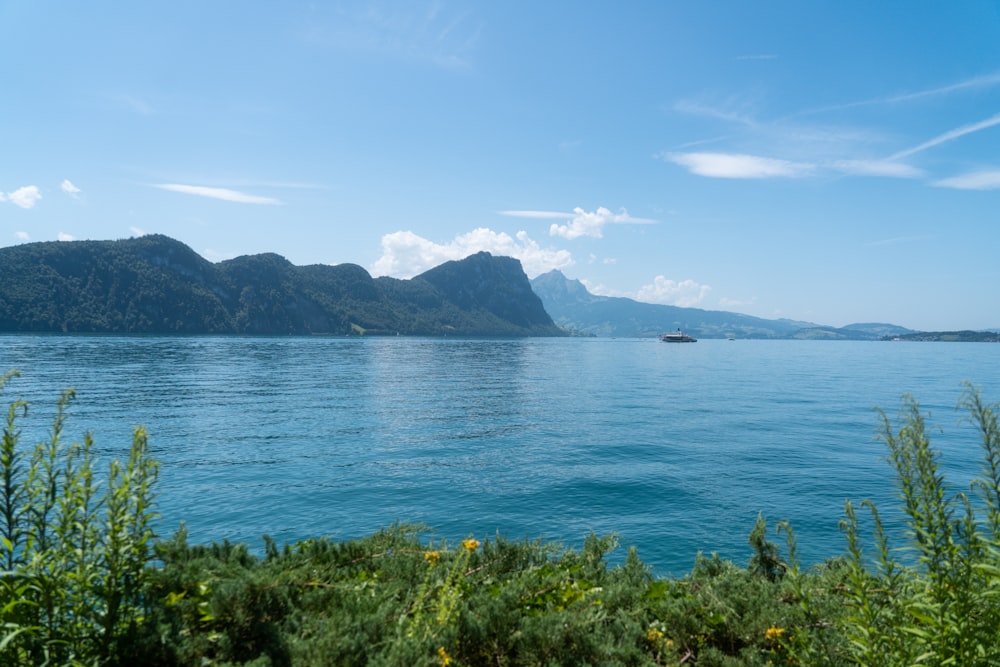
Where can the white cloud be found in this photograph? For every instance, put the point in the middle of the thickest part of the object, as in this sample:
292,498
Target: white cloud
737,165
22,236
224,194
980,180
136,231
580,222
69,188
405,254
63,236
540,215
877,168
25,197
685,293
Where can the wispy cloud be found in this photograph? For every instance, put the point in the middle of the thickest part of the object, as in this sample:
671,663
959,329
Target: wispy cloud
984,81
224,194
797,150
724,113
69,188
22,236
738,165
417,32
877,168
580,222
63,236
405,254
950,135
980,180
25,197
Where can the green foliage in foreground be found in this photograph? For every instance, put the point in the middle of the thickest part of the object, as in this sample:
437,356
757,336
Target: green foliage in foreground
73,552
84,584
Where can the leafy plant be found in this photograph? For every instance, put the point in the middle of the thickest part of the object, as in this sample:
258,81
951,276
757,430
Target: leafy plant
940,605
75,558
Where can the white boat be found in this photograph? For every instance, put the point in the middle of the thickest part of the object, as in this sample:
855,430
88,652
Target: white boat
677,337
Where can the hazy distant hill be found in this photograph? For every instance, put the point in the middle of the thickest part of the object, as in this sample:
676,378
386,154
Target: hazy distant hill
953,336
154,284
573,307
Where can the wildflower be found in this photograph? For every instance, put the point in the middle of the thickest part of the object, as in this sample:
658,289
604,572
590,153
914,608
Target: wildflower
445,658
432,557
470,544
773,633
653,635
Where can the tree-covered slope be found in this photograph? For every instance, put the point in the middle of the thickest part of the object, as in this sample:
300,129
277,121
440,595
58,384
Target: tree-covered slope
154,284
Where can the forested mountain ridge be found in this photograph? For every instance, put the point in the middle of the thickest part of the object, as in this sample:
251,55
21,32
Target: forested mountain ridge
155,284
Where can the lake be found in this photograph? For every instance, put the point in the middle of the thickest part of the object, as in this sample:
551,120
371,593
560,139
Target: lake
675,448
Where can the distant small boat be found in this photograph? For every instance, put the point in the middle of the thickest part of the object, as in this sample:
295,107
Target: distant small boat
677,337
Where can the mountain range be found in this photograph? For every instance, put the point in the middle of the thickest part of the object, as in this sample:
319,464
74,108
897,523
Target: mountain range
574,308
154,284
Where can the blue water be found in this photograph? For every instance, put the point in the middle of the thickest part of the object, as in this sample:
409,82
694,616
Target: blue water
675,448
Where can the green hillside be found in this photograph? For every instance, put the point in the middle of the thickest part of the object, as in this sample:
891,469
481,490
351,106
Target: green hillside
154,284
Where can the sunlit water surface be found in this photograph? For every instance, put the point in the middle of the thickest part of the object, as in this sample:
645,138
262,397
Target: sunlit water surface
675,448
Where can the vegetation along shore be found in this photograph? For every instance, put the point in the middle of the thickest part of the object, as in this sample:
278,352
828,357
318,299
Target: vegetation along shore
87,581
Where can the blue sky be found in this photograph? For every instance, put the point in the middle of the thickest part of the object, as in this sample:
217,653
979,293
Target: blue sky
834,162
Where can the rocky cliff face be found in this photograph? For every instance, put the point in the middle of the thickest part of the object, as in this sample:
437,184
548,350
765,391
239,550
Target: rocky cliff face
155,284
496,285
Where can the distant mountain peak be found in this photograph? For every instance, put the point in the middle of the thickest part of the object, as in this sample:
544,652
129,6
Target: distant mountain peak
574,308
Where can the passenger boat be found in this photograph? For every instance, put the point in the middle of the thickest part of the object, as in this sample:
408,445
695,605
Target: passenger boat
677,337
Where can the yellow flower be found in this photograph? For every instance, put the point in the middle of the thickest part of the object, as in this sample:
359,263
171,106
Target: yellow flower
445,658
773,633
653,635
432,556
470,544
